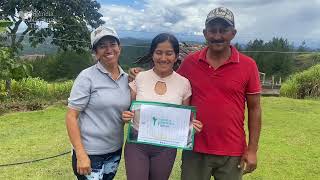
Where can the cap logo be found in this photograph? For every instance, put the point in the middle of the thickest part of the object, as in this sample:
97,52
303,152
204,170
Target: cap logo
97,32
221,12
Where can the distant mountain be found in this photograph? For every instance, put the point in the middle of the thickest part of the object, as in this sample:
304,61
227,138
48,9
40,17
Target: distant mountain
44,48
47,48
134,41
314,45
182,37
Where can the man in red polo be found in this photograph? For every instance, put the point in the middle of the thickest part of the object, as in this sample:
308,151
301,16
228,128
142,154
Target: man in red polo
223,81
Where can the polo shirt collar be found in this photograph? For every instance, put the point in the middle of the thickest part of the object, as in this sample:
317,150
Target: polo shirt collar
234,58
103,70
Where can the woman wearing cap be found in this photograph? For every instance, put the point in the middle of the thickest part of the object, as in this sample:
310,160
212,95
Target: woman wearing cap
98,97
160,84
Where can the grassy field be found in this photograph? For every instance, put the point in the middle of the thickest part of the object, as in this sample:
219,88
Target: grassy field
289,145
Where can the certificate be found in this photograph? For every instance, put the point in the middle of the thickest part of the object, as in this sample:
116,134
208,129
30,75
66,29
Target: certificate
162,124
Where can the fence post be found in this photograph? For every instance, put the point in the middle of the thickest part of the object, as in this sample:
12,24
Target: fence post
272,82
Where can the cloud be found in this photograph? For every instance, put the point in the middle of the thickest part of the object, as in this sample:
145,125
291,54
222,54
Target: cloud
293,20
165,15
263,19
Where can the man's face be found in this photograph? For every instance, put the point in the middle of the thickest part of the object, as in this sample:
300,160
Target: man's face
219,36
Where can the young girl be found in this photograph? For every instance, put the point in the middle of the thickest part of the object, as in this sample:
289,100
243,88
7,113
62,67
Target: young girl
159,84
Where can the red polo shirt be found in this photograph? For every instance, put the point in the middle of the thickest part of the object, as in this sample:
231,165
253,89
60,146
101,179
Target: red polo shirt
219,96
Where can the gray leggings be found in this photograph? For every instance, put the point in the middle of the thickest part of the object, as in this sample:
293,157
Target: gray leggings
148,162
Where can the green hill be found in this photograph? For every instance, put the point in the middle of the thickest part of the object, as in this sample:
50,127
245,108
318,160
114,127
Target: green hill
304,61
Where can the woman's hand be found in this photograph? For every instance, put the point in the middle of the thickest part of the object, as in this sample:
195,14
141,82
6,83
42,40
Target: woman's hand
197,125
127,116
83,163
133,72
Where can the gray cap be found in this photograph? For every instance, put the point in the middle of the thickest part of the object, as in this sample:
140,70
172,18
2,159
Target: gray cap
221,13
102,31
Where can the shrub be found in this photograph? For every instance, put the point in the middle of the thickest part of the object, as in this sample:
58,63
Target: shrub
60,90
31,94
302,85
3,93
33,105
29,88
36,88
62,66
41,67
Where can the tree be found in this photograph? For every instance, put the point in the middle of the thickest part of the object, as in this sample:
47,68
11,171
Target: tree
3,25
303,47
280,63
68,22
238,46
11,69
272,57
257,45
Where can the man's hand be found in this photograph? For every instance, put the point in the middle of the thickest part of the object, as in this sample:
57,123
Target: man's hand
133,72
249,158
248,161
197,125
83,163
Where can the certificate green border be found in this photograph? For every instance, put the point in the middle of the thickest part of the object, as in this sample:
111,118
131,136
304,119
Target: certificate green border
192,108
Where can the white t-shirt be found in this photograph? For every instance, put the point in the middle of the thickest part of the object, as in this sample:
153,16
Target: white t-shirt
178,87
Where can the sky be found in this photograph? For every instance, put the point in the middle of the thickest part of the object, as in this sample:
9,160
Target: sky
295,20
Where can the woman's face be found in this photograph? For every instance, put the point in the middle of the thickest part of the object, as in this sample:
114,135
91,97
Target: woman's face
164,57
108,51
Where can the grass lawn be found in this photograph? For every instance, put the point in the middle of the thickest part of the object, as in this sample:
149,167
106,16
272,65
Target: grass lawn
289,144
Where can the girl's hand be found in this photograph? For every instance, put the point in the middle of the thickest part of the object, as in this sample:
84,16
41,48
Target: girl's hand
197,125
127,116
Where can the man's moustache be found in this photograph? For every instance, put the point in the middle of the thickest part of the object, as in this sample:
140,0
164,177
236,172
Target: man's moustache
216,41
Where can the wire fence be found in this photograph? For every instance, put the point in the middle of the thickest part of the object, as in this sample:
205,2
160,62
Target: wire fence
242,35
145,46
35,160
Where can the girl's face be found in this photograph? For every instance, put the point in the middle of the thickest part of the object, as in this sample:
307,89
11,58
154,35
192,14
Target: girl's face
164,57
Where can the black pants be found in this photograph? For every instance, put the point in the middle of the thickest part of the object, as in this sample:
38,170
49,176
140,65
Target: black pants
103,166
